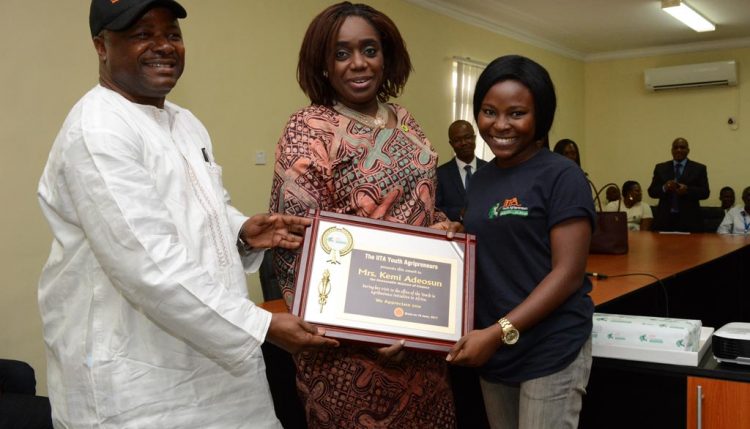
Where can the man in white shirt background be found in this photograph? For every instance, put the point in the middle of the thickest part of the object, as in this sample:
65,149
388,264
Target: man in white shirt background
726,196
737,219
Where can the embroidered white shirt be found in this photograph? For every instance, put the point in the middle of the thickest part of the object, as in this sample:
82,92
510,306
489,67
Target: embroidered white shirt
144,303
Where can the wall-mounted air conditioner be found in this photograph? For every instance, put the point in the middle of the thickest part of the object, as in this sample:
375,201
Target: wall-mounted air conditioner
691,75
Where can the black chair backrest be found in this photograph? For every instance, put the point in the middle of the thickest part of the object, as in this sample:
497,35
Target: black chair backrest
712,217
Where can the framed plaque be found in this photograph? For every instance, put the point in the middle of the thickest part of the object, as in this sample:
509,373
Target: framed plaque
378,282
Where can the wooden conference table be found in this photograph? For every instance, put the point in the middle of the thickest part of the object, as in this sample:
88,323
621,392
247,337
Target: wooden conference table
660,255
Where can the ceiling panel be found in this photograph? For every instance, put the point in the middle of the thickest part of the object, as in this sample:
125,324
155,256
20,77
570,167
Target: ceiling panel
590,29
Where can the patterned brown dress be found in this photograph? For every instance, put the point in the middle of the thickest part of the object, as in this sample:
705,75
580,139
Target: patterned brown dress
326,160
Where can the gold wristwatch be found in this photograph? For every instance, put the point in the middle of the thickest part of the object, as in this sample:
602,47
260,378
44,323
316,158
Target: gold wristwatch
510,333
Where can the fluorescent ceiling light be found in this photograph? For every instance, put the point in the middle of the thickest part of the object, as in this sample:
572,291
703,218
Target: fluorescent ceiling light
688,16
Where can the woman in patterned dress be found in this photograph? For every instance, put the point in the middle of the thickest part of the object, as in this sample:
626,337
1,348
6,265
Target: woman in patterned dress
351,152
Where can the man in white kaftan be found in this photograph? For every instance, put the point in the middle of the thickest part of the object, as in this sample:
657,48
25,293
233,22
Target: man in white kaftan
146,316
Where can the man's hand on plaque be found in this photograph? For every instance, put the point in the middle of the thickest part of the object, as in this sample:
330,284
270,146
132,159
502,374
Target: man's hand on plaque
293,334
274,230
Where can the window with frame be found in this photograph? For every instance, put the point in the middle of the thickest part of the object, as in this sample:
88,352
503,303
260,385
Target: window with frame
464,79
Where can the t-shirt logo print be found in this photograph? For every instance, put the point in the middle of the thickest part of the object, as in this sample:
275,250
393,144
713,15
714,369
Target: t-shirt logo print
509,207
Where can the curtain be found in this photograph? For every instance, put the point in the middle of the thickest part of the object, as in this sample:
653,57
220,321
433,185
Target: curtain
465,74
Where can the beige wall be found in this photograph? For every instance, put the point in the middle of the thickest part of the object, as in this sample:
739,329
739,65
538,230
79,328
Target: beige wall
630,129
47,63
240,80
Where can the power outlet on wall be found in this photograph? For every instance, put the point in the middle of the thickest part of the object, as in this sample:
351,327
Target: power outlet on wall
732,123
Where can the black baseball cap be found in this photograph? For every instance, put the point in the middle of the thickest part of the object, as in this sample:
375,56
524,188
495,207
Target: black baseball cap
118,15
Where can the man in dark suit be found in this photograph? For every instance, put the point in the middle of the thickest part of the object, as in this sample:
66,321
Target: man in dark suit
454,175
679,185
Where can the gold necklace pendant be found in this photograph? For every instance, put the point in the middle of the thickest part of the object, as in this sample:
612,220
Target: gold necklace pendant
378,122
324,288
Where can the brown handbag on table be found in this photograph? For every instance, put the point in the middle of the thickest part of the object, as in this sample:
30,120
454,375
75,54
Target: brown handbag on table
610,235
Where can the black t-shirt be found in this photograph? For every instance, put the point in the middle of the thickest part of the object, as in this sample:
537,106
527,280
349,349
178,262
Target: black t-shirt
511,211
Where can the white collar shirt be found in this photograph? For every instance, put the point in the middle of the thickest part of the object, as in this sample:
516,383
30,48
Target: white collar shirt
462,170
736,221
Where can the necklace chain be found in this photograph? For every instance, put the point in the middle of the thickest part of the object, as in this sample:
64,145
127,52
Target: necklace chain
378,122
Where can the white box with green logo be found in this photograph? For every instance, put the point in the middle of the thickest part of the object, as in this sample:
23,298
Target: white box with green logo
650,339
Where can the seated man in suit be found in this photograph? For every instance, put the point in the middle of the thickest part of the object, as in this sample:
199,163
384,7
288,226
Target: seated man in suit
455,175
679,185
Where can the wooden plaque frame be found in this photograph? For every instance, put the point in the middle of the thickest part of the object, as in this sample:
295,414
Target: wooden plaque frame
428,244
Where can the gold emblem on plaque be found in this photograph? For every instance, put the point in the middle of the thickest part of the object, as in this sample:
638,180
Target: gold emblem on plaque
324,288
337,242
